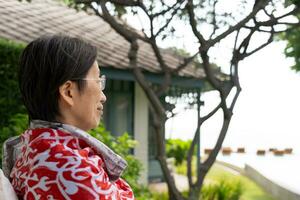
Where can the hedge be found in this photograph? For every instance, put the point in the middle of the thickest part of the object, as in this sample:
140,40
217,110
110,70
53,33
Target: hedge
10,98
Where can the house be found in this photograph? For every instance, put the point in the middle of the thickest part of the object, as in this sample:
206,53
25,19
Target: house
127,107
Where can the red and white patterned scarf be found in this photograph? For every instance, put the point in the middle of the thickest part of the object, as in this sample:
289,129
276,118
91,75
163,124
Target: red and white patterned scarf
59,161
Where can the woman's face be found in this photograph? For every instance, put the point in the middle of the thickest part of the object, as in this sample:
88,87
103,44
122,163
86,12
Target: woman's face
88,103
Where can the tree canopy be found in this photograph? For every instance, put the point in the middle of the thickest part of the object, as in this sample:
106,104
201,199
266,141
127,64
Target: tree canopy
293,47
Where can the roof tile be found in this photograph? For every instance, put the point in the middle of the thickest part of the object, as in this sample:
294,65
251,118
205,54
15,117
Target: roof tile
25,21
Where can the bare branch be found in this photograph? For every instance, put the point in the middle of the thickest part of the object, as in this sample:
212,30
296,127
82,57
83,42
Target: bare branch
235,53
214,22
293,25
190,8
126,2
118,2
206,165
168,9
260,47
166,69
148,91
168,21
260,4
220,140
84,1
245,43
184,64
193,144
210,114
292,12
208,70
120,28
275,20
235,98
190,155
132,55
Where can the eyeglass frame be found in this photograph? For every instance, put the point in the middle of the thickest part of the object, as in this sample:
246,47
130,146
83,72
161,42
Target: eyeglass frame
102,81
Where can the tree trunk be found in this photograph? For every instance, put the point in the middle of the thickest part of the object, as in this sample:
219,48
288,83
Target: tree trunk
158,122
194,193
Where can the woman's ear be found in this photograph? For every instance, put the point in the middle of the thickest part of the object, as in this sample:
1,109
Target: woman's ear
67,92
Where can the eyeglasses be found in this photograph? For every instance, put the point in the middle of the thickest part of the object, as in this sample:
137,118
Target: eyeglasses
101,81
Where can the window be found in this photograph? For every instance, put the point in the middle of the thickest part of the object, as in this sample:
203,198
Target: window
118,109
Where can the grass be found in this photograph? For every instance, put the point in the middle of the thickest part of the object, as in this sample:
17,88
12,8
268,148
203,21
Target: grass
251,191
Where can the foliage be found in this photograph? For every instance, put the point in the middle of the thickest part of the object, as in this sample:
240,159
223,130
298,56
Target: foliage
10,98
178,149
295,2
293,46
182,168
160,196
14,120
123,145
16,125
250,189
293,40
222,190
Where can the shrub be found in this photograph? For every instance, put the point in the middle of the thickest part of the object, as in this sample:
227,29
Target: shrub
13,120
17,124
178,149
123,145
223,190
10,98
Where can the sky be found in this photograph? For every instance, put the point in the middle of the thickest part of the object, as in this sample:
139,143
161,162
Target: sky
267,111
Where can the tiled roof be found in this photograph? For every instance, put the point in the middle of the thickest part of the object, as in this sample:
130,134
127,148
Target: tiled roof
23,21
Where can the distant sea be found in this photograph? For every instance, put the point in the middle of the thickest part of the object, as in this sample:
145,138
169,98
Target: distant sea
283,170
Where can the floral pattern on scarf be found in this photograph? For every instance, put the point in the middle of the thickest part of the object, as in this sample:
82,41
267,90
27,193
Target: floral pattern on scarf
56,164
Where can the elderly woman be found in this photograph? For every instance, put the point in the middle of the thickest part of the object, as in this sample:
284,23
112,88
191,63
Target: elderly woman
62,89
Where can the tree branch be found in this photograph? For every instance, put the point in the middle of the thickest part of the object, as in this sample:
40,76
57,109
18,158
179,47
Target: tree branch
168,9
260,47
118,2
190,8
168,22
119,28
210,114
193,144
275,20
214,22
164,67
208,70
235,98
184,64
260,4
294,25
235,53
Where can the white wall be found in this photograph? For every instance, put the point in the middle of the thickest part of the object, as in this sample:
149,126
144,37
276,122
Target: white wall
141,120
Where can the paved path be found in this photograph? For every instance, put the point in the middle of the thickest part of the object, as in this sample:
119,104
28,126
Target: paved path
181,182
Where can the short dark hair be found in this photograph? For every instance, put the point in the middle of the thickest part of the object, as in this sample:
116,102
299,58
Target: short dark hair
48,62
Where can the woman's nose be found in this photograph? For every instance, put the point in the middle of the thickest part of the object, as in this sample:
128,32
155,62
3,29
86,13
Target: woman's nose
103,97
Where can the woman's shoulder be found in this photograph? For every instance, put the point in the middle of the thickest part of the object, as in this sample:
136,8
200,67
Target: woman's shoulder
51,158
42,139
44,133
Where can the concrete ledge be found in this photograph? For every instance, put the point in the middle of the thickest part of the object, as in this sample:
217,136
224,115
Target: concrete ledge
230,166
274,189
